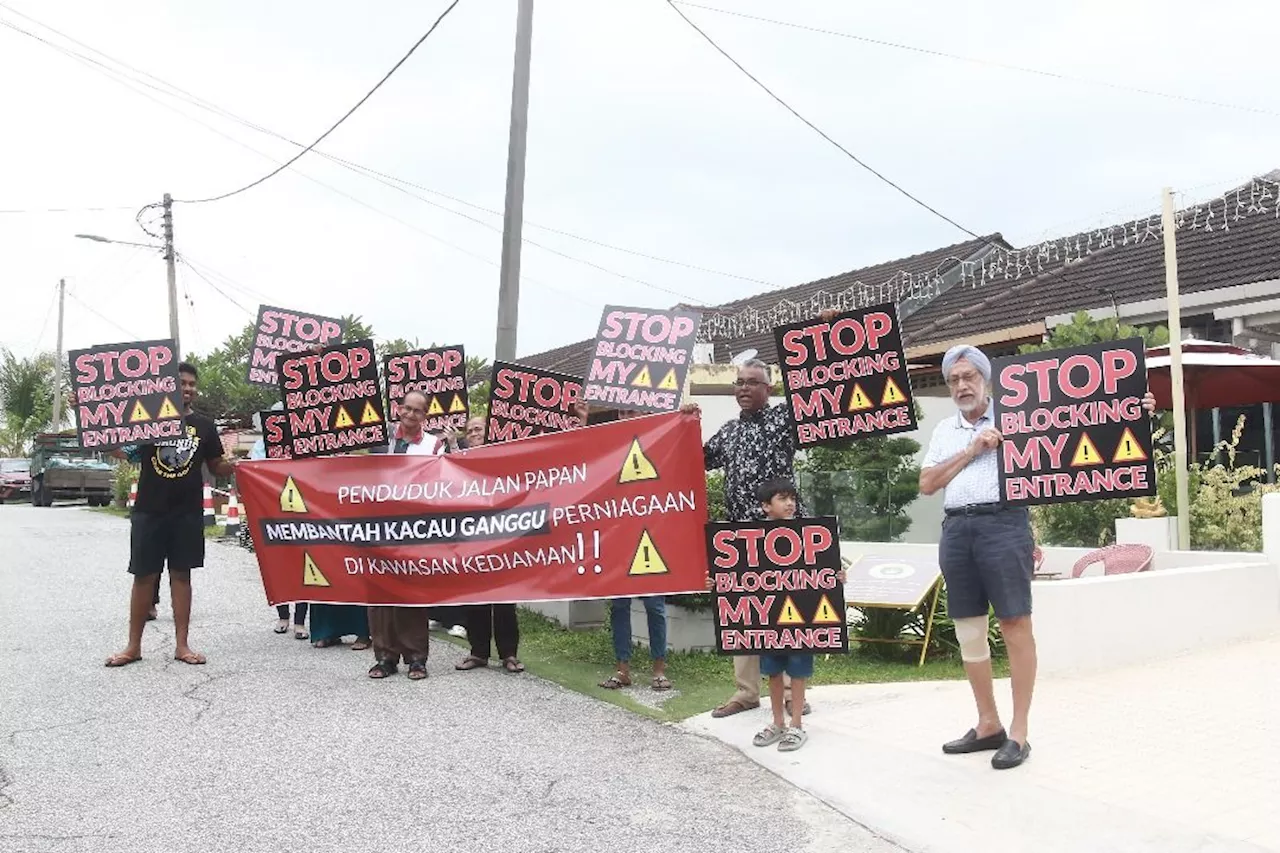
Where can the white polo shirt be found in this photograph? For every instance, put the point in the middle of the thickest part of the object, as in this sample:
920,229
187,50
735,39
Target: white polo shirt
979,481
426,445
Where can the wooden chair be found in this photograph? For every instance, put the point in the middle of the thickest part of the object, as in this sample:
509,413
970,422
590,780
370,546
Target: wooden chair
1116,560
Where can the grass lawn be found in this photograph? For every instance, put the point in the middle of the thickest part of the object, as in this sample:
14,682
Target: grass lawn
579,660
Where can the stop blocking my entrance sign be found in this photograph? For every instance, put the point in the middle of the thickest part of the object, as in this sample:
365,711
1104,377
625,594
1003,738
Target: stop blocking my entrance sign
333,400
641,358
847,378
280,330
777,587
1073,424
126,393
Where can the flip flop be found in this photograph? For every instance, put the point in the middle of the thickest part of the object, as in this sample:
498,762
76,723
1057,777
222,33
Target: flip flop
193,658
614,682
121,659
661,682
512,665
471,662
361,644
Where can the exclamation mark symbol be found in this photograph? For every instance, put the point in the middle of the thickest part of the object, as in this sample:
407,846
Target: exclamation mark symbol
582,554
595,536
646,556
635,463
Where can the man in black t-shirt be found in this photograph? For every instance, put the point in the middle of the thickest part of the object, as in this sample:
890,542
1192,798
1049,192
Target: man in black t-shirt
167,522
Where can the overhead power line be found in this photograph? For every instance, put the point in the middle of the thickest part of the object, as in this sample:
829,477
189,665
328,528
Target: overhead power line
854,157
336,124
209,282
103,317
171,90
973,60
71,209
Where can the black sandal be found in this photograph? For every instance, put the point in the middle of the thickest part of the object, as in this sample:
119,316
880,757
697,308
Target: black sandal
383,668
471,662
512,665
418,670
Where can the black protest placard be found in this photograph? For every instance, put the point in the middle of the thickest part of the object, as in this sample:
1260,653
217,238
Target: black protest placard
847,378
276,438
527,401
280,330
126,394
777,586
1073,424
439,374
641,358
333,400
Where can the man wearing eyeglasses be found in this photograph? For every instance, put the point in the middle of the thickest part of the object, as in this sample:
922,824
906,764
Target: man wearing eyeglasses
754,448
405,632
985,555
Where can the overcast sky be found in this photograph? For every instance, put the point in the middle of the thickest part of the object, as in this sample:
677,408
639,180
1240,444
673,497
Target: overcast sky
641,136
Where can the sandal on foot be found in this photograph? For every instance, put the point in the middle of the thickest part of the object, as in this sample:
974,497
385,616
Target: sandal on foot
512,665
123,659
282,626
417,670
617,681
327,644
471,662
792,739
734,706
768,736
660,682
383,668
361,644
300,633
193,658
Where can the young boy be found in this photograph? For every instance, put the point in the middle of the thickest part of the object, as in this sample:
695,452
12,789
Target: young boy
778,499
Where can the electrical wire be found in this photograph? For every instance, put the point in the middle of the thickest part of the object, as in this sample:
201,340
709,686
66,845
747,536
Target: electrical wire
1057,272
1039,72
191,98
336,124
185,262
44,325
68,209
104,317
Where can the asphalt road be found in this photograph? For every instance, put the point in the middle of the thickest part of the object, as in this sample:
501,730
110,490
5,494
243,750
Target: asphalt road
275,746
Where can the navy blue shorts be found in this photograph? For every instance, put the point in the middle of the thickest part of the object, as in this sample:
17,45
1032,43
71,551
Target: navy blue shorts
987,560
796,666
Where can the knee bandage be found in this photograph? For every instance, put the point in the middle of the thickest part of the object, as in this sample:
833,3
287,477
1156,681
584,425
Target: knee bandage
971,632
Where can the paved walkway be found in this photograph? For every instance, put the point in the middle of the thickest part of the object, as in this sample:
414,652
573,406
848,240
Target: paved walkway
277,746
1179,756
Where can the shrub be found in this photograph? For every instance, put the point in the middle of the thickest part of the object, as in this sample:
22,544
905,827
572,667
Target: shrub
125,476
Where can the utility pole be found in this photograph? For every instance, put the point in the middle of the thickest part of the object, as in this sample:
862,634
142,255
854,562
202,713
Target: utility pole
57,362
513,214
170,262
1178,402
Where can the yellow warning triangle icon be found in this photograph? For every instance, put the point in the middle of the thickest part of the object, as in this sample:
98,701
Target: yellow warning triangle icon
291,497
636,466
647,560
342,419
456,405
790,614
826,615
892,393
1086,453
1129,450
139,413
642,379
858,400
167,409
311,574
435,408
668,382
370,414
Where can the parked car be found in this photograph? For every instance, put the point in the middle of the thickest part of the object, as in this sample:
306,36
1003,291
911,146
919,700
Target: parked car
63,470
15,479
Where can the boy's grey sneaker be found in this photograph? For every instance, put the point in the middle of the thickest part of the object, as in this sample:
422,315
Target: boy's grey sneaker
768,736
792,739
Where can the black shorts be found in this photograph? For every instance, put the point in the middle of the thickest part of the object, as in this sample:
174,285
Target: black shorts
175,538
988,559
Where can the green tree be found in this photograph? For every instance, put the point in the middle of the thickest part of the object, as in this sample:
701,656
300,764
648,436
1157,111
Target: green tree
26,399
868,484
1086,524
224,391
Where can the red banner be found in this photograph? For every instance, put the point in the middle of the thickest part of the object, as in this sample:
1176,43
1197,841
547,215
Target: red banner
611,510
